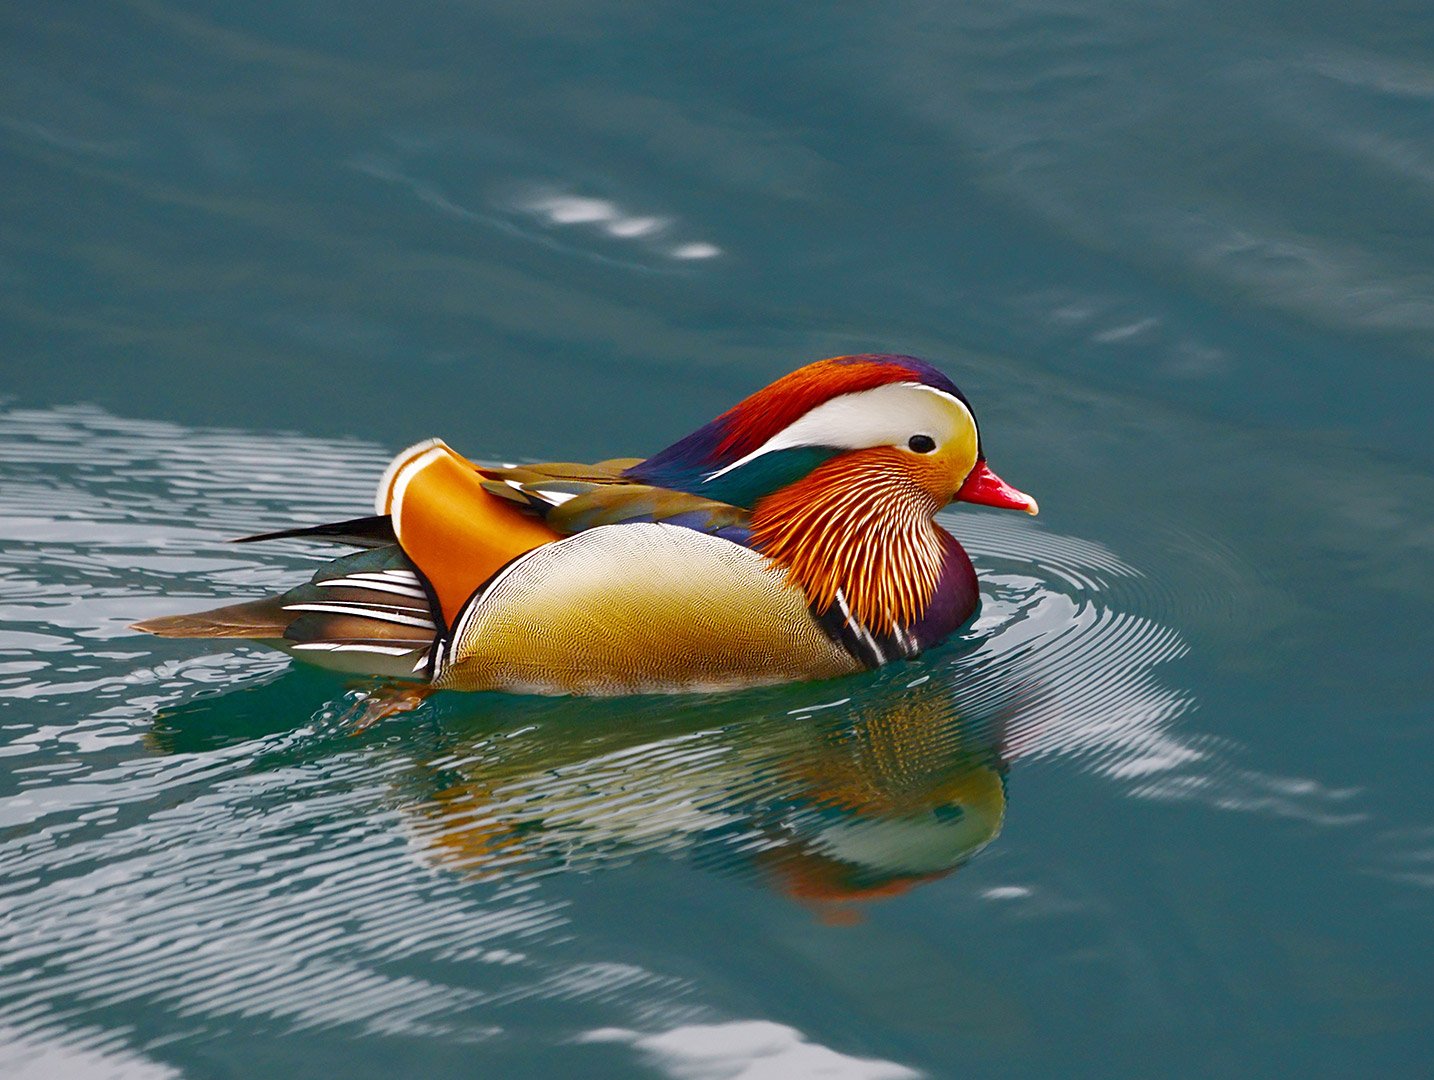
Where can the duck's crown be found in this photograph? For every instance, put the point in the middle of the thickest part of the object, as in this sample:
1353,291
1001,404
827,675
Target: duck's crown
782,432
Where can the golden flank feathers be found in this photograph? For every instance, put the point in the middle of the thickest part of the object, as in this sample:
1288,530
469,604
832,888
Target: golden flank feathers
859,524
639,608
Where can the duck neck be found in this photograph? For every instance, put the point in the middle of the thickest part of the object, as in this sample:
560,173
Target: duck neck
857,532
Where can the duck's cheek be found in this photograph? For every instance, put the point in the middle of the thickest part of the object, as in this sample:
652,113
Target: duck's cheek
939,475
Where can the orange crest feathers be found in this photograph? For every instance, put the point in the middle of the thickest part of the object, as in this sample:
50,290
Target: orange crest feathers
753,420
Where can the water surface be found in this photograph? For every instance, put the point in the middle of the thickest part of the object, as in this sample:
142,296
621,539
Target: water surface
1161,811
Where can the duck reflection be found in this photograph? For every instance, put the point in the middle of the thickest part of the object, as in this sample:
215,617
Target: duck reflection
833,801
836,793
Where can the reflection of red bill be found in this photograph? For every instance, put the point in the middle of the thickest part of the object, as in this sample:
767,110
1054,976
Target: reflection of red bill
830,888
985,487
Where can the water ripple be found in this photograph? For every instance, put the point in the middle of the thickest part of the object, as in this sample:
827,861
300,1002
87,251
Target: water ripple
206,829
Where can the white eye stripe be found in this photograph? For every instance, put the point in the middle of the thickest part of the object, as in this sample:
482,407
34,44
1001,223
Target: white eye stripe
388,493
885,415
407,469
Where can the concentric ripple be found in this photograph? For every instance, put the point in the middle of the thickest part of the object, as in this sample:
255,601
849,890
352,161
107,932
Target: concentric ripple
204,828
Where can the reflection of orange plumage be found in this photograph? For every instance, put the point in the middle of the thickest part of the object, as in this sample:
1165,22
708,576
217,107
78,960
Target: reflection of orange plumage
826,885
464,830
900,765
885,765
830,811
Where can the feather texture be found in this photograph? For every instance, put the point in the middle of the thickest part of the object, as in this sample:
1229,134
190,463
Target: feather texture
857,526
258,619
687,463
369,611
792,537
451,526
639,608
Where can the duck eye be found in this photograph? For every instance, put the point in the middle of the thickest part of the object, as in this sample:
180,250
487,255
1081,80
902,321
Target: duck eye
922,444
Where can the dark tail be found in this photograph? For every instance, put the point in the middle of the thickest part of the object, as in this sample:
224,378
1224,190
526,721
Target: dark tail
265,619
367,612
364,532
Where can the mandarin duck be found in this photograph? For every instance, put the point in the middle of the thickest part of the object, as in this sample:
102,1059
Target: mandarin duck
793,537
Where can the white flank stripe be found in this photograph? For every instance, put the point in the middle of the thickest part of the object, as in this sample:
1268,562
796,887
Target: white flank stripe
861,630
334,646
379,613
376,586
555,498
903,639
871,640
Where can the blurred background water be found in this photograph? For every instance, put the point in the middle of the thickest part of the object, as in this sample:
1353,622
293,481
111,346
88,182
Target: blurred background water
1163,811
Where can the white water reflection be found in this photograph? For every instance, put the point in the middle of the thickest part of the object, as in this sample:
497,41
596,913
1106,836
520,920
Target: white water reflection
596,228
1062,644
560,209
747,1050
84,1054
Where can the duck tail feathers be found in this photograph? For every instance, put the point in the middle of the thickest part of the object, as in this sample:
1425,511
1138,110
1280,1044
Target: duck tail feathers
263,619
369,612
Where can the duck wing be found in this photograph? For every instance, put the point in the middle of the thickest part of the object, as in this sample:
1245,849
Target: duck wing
574,498
437,536
456,531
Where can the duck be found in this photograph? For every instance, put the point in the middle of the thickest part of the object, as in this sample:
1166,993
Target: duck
792,538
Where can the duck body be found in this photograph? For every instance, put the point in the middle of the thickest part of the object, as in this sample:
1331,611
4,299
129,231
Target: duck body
792,538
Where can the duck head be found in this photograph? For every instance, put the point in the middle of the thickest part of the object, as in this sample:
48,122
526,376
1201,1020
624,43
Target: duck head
844,464
898,413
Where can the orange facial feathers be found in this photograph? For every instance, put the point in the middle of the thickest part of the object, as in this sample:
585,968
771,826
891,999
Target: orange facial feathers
861,523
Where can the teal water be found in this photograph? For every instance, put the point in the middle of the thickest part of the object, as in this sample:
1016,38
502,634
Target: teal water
1163,812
